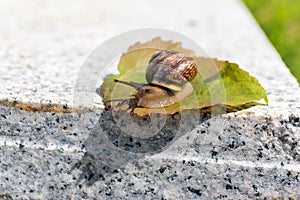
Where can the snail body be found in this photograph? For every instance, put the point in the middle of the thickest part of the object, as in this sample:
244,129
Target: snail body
168,75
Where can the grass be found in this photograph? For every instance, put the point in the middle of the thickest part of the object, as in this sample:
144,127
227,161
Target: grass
280,19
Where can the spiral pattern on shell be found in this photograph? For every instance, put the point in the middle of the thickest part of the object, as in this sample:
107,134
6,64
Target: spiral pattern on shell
171,69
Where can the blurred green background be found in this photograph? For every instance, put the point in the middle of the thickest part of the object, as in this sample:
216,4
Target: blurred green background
280,19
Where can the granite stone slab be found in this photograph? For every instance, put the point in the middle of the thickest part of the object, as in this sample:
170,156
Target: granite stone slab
253,153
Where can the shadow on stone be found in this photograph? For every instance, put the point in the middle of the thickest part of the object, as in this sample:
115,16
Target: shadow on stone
119,138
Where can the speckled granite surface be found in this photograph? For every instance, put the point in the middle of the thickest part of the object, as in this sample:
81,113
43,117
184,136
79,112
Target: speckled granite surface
254,153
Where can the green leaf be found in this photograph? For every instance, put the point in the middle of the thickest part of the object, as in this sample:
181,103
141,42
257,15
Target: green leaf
240,89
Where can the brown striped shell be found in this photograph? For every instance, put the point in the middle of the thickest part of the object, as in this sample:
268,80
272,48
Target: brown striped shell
171,69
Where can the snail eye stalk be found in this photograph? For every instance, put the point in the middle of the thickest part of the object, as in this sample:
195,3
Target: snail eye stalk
129,83
131,102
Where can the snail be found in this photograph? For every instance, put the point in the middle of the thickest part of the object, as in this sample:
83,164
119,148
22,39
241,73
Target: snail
168,77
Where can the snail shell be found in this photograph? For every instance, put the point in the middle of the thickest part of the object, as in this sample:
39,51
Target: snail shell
170,69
